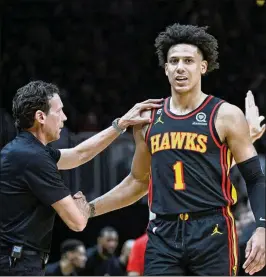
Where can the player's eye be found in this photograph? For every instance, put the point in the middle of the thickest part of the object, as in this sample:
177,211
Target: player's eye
174,61
188,60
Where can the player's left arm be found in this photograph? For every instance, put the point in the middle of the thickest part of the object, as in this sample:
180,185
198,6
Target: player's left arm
234,130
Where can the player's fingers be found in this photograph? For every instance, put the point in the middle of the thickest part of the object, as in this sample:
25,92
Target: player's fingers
248,248
250,257
257,268
249,260
255,264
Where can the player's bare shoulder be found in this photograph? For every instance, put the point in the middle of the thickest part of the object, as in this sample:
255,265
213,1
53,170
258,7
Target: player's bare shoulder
139,131
230,113
228,116
145,127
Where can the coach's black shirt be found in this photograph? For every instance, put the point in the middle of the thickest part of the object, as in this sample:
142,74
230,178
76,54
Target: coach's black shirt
29,183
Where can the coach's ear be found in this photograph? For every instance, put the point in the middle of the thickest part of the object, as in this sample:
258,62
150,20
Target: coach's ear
166,69
40,116
204,67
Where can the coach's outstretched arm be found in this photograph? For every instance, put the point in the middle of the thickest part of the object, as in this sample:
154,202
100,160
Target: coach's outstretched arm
131,189
245,155
88,149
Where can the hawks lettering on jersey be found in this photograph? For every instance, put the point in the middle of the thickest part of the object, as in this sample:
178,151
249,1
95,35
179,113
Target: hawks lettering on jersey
179,140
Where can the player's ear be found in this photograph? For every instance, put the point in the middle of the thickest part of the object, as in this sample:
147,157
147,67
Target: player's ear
166,69
204,67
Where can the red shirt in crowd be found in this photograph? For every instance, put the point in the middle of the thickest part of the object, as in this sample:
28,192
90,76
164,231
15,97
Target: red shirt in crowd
136,257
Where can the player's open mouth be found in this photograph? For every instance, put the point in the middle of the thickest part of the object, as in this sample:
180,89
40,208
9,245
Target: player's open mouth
181,78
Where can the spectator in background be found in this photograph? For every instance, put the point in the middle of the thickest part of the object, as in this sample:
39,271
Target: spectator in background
135,266
73,258
125,252
101,259
7,128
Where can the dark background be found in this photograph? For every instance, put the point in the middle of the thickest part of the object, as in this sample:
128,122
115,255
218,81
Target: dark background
101,54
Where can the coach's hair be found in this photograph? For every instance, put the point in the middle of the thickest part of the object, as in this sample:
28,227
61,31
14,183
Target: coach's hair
70,245
30,98
187,34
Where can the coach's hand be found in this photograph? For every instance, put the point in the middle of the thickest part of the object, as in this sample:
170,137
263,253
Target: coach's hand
255,252
82,204
132,117
253,118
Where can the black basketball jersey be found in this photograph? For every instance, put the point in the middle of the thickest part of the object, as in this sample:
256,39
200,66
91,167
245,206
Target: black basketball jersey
189,164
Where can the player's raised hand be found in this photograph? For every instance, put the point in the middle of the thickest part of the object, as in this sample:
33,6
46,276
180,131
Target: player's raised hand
255,252
133,116
253,118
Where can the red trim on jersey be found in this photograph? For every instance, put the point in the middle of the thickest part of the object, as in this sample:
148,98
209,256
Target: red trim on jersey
224,174
230,243
149,128
150,190
202,105
228,182
228,179
234,247
219,144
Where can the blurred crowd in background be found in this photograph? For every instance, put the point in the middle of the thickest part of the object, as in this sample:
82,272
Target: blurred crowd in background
101,55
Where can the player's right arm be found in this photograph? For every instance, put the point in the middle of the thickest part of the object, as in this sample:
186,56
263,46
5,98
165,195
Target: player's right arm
132,188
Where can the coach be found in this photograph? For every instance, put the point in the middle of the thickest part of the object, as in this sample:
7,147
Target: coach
31,188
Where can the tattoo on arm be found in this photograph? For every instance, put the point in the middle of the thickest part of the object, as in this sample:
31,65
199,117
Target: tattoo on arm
92,210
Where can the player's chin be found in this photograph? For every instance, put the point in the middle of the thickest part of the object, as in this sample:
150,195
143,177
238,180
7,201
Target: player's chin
181,89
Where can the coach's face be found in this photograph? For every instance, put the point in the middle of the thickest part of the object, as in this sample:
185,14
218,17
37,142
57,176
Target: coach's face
184,67
54,120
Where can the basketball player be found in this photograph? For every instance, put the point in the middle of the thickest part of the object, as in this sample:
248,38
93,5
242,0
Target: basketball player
183,160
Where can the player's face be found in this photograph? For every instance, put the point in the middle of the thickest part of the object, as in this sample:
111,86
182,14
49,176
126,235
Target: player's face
184,67
54,120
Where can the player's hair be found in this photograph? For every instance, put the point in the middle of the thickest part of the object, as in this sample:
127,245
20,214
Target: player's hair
187,34
70,245
106,229
30,98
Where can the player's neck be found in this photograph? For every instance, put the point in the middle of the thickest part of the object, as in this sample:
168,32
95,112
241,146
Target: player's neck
66,267
182,103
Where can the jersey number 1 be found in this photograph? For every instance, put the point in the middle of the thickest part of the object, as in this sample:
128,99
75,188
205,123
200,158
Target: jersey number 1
179,176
